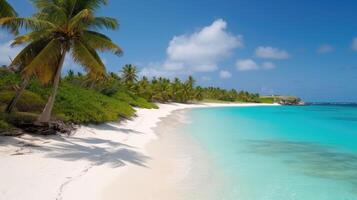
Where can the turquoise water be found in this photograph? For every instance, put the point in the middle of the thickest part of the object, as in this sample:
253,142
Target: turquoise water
281,153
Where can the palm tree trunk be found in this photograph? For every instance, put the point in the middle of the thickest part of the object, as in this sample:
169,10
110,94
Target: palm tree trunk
45,116
14,99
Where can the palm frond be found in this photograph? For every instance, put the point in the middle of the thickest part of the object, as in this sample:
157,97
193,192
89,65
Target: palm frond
83,55
27,54
104,22
80,19
44,64
50,10
100,42
7,11
92,5
27,23
32,36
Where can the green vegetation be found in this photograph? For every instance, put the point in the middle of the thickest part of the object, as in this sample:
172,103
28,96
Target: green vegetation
286,100
57,29
77,101
28,102
82,105
267,99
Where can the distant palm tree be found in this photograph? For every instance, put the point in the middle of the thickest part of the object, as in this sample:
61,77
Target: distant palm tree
161,90
7,11
61,27
129,74
177,90
144,88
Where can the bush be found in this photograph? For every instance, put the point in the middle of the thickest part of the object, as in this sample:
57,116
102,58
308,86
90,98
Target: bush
80,105
4,125
8,79
133,100
266,100
28,101
143,103
19,118
36,87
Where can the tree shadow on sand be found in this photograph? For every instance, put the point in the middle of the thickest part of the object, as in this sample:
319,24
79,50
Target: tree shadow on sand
95,150
113,127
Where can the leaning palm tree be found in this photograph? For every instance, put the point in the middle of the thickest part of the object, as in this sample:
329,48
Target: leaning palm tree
59,28
7,11
129,74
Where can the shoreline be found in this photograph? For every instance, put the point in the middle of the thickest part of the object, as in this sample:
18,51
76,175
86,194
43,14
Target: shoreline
86,164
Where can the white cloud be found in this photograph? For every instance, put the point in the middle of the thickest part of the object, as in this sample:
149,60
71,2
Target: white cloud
224,74
354,44
7,52
246,65
268,65
202,50
325,48
249,65
271,52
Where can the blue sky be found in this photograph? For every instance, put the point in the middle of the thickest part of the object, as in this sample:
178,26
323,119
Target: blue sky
300,47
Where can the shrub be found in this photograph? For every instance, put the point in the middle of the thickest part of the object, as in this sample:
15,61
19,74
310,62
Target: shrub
81,105
36,87
143,103
133,100
4,125
266,99
19,118
28,101
8,79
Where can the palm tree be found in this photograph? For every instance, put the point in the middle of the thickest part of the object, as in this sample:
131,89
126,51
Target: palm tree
61,27
7,11
129,74
177,90
144,88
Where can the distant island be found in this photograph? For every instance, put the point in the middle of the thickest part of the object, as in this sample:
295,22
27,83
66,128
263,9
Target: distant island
282,100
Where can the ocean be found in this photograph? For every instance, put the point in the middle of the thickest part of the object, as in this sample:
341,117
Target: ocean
277,152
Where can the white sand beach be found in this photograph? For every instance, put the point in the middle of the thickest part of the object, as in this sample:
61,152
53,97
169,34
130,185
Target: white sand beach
108,161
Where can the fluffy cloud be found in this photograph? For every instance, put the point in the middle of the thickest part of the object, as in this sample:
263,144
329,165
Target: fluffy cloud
271,52
224,74
246,65
325,48
202,50
249,65
7,52
354,44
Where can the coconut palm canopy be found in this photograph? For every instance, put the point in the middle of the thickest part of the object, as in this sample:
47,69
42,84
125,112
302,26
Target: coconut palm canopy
63,26
129,73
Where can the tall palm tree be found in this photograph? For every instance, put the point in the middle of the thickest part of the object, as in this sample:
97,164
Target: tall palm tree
129,74
7,11
61,27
